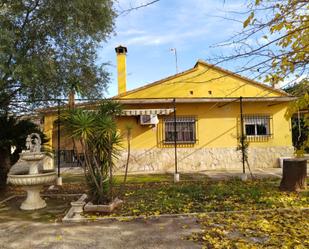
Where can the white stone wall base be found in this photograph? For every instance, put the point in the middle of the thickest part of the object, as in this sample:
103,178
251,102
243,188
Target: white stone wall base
202,159
33,200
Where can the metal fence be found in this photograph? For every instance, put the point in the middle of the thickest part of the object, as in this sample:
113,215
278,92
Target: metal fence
69,158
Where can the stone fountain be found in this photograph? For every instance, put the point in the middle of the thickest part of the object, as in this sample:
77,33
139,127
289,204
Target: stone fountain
33,170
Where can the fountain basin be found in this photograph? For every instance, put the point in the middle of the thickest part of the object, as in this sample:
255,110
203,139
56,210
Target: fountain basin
33,185
31,156
31,180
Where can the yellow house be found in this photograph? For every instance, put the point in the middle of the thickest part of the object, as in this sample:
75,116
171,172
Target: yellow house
205,103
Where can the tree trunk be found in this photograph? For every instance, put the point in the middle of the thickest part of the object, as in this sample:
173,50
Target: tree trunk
126,167
71,99
110,165
294,174
5,165
128,158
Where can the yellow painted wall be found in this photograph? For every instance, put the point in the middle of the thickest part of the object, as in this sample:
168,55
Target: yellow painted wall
216,126
51,131
49,120
202,81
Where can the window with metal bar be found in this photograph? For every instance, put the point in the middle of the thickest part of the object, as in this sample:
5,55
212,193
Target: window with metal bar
185,130
257,127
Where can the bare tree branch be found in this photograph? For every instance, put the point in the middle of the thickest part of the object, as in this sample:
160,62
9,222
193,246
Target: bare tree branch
132,8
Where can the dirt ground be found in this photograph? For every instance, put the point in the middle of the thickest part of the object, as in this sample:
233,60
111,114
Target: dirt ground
155,233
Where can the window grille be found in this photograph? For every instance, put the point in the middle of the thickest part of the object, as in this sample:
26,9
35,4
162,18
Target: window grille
257,127
185,130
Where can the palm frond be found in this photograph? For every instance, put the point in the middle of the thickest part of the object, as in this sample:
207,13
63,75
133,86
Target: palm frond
100,141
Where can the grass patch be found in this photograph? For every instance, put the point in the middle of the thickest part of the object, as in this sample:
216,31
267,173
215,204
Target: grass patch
144,178
73,178
132,179
276,229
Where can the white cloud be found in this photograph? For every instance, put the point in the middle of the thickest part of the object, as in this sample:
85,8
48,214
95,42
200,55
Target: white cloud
174,23
168,38
291,80
130,32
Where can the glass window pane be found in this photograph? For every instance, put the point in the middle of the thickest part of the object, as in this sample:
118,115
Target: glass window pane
257,127
185,129
261,129
250,129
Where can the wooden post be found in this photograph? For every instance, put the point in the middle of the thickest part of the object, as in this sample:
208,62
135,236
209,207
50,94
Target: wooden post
294,174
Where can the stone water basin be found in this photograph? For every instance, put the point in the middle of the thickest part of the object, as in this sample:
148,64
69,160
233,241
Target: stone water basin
32,156
33,184
31,180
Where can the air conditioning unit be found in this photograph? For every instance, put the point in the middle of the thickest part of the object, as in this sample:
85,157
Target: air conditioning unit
151,119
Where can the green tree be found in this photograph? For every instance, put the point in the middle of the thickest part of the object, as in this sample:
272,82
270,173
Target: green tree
96,132
48,49
13,133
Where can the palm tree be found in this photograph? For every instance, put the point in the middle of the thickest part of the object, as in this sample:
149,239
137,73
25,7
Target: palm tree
13,133
96,131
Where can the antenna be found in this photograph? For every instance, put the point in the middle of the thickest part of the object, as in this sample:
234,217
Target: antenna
175,53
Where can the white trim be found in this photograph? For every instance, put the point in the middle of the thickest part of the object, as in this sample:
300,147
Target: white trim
257,120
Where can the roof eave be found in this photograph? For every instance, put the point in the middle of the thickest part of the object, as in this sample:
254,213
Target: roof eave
205,100
181,101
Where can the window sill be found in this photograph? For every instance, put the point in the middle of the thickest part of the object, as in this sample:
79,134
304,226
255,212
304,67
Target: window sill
258,138
179,142
248,136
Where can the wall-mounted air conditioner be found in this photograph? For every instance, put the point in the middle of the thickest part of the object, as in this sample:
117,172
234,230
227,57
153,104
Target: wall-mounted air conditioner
151,119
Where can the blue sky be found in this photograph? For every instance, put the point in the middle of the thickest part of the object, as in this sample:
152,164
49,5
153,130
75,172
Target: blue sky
190,26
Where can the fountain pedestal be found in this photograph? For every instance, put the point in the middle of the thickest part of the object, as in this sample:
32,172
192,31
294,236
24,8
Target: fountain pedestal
34,200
